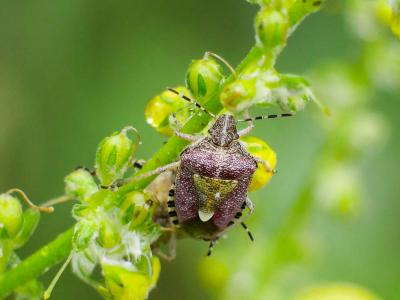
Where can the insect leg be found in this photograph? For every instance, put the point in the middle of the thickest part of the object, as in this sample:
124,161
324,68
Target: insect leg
250,206
138,164
171,166
187,137
250,126
239,216
171,206
178,133
92,172
171,254
265,164
248,231
211,246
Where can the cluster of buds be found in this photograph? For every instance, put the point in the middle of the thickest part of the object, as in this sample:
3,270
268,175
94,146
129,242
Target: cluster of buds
114,232
167,110
259,83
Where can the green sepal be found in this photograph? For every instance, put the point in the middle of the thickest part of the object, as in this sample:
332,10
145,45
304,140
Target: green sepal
31,218
83,234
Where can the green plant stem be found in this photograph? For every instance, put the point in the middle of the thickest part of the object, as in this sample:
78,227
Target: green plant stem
37,264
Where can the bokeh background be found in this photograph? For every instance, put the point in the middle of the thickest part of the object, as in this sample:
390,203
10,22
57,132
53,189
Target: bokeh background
72,72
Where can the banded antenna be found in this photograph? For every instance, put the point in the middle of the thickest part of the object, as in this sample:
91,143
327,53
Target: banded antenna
275,116
184,97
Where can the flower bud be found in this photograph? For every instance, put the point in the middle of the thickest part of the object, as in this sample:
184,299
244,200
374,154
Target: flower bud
271,28
293,93
31,219
109,235
238,95
203,78
161,107
123,283
84,232
80,184
11,217
114,155
260,149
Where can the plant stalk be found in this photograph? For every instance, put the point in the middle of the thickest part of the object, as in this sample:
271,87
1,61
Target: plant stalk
37,264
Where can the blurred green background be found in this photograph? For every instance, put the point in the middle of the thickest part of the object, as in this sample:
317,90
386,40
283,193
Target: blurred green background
72,72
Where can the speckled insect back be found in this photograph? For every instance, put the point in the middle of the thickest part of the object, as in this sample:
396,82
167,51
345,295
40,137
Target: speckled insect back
214,175
212,178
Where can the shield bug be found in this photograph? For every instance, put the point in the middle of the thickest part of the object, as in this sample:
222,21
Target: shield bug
212,178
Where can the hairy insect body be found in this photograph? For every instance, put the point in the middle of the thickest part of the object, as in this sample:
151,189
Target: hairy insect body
211,186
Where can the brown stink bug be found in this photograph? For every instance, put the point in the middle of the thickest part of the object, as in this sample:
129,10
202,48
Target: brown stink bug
212,179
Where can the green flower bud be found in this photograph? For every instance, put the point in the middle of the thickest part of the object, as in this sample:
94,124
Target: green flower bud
293,93
238,95
80,184
161,107
203,78
84,232
31,218
11,218
124,284
109,235
271,28
114,155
